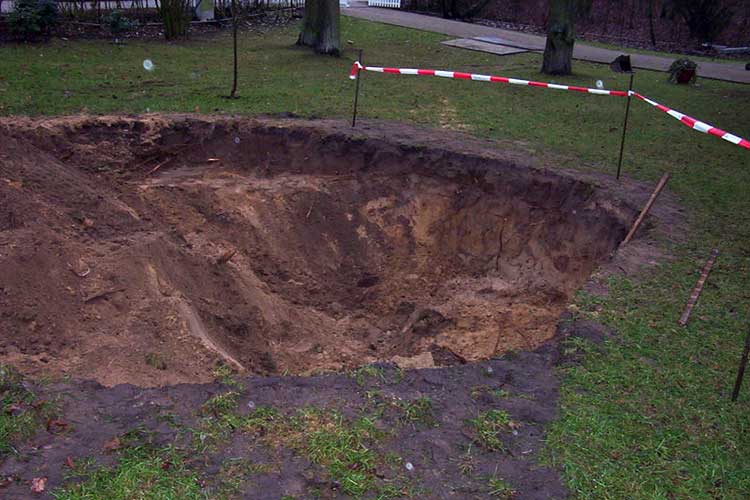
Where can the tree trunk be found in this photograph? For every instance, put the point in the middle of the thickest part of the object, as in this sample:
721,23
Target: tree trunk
561,37
320,27
235,26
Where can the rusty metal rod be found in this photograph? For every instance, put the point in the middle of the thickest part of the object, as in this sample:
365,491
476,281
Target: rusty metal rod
698,288
356,92
646,209
625,125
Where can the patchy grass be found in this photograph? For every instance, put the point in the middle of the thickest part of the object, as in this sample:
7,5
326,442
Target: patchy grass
140,472
155,360
488,427
415,412
499,488
647,417
21,414
221,405
418,411
225,374
364,373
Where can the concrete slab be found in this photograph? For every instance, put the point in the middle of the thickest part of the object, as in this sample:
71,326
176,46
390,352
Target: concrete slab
472,44
495,40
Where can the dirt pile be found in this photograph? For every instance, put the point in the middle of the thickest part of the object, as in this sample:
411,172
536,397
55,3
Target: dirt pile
143,250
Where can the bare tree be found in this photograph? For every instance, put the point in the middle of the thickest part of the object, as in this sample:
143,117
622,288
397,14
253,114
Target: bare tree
320,27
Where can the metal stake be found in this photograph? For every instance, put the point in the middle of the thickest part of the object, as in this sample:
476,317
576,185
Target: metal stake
741,370
625,125
356,91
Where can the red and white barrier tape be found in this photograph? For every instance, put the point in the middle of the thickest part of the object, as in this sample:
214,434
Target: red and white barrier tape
696,124
357,67
686,120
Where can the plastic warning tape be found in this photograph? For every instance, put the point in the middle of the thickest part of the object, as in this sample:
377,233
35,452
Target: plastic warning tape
684,119
696,124
357,67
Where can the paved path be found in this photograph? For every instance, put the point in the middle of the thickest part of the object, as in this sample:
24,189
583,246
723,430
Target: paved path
718,71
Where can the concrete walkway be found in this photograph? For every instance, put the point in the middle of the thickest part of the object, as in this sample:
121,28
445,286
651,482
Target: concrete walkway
730,72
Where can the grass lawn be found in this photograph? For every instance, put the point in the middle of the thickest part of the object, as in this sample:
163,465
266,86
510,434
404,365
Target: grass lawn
647,417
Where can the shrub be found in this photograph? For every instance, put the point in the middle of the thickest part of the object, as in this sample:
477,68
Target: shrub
118,23
683,71
176,16
33,18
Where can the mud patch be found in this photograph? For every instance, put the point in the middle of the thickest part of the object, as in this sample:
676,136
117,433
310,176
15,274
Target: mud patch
279,246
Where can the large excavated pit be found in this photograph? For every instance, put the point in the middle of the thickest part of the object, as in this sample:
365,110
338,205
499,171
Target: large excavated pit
145,250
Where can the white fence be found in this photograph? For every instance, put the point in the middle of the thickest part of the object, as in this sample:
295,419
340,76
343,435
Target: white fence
390,4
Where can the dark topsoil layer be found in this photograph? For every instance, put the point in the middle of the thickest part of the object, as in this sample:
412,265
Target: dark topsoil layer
96,414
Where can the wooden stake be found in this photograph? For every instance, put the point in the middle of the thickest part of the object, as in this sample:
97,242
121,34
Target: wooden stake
741,370
698,288
646,209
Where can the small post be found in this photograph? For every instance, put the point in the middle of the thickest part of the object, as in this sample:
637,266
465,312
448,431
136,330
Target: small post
698,288
356,91
646,208
625,125
741,370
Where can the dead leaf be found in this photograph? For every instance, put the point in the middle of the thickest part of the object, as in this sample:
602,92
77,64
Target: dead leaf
70,463
87,223
38,484
13,409
54,425
113,444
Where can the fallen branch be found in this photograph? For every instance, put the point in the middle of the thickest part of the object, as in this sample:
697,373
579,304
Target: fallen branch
698,288
741,370
646,209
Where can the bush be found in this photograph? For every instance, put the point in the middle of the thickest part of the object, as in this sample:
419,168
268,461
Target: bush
176,16
683,71
118,23
33,18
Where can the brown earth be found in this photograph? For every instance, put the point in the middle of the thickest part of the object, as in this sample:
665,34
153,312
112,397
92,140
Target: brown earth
146,249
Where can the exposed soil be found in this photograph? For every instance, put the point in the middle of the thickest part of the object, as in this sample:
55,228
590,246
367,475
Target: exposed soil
146,249
443,468
142,250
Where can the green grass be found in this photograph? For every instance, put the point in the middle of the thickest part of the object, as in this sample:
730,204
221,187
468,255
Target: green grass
21,414
489,427
648,416
141,472
499,488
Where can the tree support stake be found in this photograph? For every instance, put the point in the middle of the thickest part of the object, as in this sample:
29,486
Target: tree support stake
356,91
625,125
